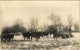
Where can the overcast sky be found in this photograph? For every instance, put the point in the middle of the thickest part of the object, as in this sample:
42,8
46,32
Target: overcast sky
10,11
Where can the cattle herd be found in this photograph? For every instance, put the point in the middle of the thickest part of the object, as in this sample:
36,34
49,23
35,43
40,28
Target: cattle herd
28,35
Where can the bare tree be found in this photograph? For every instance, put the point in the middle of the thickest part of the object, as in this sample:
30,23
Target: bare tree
56,26
33,24
18,26
70,22
56,21
19,22
52,17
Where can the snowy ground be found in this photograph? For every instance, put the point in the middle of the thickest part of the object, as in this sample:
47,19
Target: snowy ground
44,43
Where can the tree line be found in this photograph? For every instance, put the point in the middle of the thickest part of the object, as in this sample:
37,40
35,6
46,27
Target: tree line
57,29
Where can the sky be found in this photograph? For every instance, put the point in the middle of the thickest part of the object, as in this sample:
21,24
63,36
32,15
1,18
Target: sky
10,11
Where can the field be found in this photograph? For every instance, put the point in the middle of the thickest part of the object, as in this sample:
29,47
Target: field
45,43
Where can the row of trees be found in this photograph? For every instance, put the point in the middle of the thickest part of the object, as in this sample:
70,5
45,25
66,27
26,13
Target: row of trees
56,22
55,28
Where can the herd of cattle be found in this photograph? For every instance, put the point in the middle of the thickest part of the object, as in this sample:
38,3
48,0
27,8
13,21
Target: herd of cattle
29,35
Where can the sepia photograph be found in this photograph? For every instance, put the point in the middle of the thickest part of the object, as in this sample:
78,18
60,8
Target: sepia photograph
39,25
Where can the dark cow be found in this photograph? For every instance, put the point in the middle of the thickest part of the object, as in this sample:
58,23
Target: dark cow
7,37
26,34
45,34
7,34
63,36
40,34
53,30
36,35
32,34
55,33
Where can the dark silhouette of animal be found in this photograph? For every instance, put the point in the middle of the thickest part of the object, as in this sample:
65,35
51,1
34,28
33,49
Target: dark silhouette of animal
63,36
45,33
70,32
53,30
7,34
26,35
35,35
29,35
55,33
7,37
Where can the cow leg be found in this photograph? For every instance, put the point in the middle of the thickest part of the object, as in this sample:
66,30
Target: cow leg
37,39
54,37
9,40
5,39
27,38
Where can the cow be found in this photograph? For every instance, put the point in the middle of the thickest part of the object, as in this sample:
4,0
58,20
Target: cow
7,37
63,36
7,34
45,33
26,34
36,35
